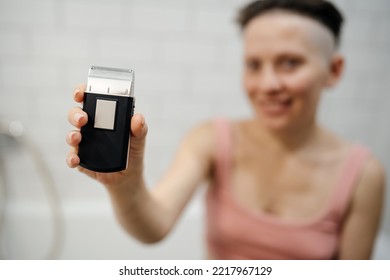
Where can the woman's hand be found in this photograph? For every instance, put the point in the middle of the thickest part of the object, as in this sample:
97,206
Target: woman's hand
148,214
78,118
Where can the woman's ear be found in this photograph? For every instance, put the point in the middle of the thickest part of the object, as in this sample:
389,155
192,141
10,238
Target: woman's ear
336,69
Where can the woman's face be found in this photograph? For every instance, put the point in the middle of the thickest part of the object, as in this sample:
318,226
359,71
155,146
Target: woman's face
287,65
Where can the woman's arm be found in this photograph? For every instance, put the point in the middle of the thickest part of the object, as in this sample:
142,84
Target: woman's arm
149,214
363,219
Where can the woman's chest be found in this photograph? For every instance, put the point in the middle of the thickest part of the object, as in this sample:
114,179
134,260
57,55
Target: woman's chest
286,187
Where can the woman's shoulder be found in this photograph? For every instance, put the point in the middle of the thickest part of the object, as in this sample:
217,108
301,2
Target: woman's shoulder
333,144
373,172
202,138
373,176
202,133
210,128
208,135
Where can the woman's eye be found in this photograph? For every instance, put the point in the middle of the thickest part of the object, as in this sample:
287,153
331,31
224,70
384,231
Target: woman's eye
252,65
290,63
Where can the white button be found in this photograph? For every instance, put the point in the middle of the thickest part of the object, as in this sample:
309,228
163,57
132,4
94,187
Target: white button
105,114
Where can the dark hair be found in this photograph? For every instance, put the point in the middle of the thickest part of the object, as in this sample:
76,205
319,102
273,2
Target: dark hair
320,10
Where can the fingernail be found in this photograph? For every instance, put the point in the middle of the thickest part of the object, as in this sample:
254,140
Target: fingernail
78,117
143,121
70,160
76,91
72,136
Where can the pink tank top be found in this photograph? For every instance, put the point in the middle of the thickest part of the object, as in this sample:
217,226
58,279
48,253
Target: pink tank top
234,232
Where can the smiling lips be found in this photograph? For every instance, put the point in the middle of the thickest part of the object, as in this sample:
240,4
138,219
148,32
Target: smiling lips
275,106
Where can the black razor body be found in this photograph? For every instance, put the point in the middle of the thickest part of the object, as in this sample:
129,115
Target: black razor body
106,150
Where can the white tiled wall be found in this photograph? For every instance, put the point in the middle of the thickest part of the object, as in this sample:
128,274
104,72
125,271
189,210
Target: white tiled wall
186,54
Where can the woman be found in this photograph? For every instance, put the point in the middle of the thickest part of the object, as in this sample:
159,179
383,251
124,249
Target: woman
280,185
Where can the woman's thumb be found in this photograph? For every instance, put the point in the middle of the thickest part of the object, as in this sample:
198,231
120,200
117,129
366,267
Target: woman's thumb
139,129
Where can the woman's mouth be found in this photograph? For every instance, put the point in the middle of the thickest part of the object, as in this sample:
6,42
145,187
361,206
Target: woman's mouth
275,107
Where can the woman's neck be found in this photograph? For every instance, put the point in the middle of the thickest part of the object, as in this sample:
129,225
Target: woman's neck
291,139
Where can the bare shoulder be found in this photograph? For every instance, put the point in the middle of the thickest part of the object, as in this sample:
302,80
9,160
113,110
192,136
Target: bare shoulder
364,216
368,199
374,171
201,140
371,187
204,128
202,134
371,184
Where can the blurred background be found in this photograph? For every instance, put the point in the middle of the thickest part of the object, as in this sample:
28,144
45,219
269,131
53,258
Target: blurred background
187,58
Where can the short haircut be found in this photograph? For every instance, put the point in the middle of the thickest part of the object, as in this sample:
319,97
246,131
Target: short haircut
322,11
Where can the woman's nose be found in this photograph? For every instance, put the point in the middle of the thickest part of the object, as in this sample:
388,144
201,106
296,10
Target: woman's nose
269,81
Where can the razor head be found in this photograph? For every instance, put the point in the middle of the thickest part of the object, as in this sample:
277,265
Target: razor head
111,81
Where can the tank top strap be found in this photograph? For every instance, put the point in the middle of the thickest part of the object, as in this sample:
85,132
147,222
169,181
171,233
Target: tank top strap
348,180
223,151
